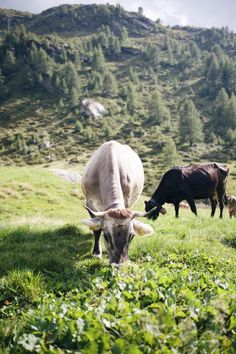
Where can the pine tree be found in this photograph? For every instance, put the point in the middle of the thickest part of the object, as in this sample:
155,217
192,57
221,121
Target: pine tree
115,47
109,84
190,125
153,54
3,86
158,112
96,81
131,98
34,55
231,116
124,36
44,65
221,107
213,77
98,61
71,77
133,77
170,153
74,96
9,61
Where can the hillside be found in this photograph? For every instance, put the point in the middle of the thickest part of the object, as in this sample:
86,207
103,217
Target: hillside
168,92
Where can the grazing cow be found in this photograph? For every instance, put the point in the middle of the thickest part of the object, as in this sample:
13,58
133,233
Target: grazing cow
189,183
231,205
111,182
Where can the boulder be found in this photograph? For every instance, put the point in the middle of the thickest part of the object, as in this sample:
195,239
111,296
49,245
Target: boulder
92,108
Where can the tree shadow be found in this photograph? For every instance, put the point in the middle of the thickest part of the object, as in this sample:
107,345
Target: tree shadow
62,255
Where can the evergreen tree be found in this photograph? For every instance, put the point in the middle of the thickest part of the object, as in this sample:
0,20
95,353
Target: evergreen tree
140,11
194,50
96,81
74,96
78,127
158,112
131,98
109,84
221,107
133,77
213,78
98,61
153,54
231,116
9,61
63,55
34,55
3,86
115,47
190,126
170,153
71,76
124,36
103,39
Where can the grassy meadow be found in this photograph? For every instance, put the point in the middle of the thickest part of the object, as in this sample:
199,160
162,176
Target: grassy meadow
176,295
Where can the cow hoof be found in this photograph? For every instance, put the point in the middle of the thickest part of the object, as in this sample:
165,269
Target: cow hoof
115,265
98,255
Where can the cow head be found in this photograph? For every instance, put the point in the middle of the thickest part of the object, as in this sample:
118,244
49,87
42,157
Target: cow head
119,228
154,209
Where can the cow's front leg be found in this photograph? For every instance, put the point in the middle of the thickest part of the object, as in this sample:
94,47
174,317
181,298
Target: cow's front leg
97,251
221,205
176,204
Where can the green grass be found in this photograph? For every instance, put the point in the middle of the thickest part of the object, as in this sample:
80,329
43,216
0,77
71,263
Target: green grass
176,295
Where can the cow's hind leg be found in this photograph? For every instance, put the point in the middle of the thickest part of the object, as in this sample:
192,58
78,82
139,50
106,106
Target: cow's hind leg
192,205
213,201
221,201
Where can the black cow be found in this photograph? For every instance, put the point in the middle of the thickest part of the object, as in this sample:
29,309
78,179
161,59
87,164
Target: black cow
189,183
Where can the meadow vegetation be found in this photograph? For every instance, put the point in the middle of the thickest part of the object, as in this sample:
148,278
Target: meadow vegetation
176,295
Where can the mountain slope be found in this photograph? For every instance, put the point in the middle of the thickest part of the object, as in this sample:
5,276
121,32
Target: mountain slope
146,75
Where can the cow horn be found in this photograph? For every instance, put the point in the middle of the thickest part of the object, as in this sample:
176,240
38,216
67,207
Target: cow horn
146,214
97,214
143,214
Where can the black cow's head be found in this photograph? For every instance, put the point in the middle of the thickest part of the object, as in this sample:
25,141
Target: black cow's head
155,207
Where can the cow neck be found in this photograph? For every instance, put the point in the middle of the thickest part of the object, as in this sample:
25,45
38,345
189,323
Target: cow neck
158,198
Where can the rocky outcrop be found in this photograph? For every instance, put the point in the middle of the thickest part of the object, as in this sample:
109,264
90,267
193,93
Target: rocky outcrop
92,108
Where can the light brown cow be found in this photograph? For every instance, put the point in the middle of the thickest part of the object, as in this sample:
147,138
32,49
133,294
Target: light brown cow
231,205
111,182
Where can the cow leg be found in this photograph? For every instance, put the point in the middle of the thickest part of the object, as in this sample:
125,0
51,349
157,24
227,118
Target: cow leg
97,251
176,209
220,195
213,201
192,205
221,205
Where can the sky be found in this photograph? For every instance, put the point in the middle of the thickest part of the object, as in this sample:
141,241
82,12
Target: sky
198,13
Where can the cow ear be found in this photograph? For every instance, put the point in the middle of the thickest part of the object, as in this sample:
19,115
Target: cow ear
142,229
93,224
